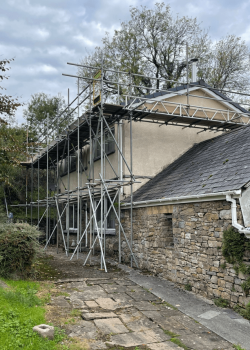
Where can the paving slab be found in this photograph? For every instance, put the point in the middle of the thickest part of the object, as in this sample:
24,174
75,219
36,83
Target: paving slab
97,315
78,304
143,324
137,322
90,294
145,306
121,297
167,323
114,288
110,304
125,282
197,342
91,304
189,323
83,329
163,346
235,331
138,338
61,302
111,325
142,296
208,315
99,281
78,285
133,316
134,289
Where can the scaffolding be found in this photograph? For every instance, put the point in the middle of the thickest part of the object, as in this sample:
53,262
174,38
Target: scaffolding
99,195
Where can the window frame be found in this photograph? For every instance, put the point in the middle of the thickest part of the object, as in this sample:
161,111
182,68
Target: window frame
97,156
108,231
63,165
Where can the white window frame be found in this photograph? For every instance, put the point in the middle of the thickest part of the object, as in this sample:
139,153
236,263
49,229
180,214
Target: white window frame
108,231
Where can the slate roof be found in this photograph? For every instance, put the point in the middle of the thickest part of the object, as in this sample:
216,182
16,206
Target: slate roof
202,84
216,165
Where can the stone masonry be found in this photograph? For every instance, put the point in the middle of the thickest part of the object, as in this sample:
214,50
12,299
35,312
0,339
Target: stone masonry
185,248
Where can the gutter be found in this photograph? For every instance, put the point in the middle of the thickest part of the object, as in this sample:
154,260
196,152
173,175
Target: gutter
198,198
235,224
183,199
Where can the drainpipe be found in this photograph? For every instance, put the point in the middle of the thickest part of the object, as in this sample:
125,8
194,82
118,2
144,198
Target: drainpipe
235,224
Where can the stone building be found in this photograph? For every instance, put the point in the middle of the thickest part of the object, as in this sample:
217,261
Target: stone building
179,216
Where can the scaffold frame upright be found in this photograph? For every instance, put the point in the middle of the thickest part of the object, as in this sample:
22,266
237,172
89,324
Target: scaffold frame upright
89,131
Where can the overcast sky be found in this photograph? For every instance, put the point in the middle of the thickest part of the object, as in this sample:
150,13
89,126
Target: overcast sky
43,35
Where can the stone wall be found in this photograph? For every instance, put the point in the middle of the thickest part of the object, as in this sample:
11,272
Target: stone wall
187,248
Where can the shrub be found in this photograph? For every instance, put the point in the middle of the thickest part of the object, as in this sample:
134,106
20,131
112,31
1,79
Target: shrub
234,245
188,287
220,302
18,248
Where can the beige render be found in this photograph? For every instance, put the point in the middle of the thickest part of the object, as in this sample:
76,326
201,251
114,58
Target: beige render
154,147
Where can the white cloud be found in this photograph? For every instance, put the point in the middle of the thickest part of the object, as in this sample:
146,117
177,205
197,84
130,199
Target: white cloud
246,35
43,35
83,40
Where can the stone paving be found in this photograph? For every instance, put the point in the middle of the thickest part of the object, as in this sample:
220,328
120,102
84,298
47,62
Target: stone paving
116,313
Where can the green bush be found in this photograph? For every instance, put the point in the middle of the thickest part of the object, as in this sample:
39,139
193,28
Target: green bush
220,302
233,246
18,248
188,287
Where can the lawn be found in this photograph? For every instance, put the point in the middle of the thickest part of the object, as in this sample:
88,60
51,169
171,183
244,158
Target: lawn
20,311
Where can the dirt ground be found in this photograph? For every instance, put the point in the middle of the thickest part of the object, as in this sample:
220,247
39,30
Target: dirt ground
74,268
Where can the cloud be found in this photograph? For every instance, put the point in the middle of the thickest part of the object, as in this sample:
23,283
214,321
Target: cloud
44,35
83,40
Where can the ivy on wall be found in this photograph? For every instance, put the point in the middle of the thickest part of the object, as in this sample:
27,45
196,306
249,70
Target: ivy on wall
234,247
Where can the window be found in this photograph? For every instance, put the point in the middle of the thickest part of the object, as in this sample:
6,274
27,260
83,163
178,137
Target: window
110,222
109,144
63,165
73,216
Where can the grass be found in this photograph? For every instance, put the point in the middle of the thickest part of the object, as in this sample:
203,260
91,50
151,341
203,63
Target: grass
57,294
165,303
20,311
171,334
76,313
238,347
245,312
169,305
175,340
179,343
220,302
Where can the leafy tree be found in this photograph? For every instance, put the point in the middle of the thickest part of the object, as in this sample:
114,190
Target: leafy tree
12,151
153,43
227,65
42,112
8,104
11,137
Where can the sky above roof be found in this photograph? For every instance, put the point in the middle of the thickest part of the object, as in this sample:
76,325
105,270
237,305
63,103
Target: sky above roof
43,36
